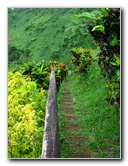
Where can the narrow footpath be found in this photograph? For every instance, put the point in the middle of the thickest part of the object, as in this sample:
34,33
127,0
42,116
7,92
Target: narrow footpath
73,128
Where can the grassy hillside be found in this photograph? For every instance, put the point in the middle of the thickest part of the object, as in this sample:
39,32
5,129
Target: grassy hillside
49,33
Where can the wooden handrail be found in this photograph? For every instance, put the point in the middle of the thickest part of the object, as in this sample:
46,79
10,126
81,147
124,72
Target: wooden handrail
51,136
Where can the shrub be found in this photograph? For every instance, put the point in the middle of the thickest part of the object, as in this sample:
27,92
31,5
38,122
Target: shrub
81,59
106,30
26,111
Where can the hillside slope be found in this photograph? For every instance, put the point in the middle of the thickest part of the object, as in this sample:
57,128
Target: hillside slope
49,33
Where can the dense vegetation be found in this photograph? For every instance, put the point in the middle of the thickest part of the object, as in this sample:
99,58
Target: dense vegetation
48,34
65,39
99,119
26,111
106,31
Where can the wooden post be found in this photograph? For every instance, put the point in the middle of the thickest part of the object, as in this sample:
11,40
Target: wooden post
51,137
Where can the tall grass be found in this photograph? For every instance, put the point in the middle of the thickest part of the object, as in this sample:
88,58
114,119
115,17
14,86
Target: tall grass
100,120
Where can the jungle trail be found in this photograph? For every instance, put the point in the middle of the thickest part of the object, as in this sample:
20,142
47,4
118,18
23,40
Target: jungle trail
109,62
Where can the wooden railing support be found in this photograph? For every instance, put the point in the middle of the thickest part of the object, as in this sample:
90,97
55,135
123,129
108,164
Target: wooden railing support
51,137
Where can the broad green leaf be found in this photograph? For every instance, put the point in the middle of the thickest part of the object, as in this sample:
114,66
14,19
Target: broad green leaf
114,42
105,11
117,61
99,28
114,63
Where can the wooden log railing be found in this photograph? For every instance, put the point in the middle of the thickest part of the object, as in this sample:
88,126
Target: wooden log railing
51,137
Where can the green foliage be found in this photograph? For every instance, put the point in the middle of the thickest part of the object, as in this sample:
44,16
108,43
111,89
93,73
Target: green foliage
17,56
50,34
108,38
26,105
107,32
117,61
26,111
98,28
97,116
115,41
47,31
82,59
40,72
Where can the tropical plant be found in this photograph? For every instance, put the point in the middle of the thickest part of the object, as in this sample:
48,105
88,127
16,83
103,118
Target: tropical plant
40,72
81,59
26,111
106,31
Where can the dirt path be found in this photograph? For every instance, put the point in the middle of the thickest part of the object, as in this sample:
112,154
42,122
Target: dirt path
77,140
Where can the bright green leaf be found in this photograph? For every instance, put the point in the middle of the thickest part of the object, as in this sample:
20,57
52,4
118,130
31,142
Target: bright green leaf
99,28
